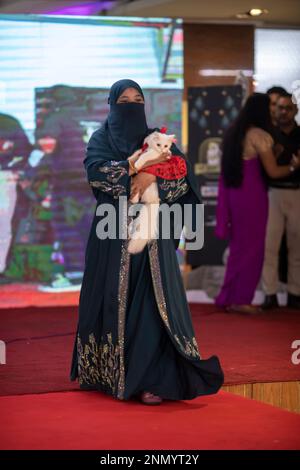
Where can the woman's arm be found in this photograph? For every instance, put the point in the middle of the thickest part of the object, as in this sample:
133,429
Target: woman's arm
263,143
272,169
110,176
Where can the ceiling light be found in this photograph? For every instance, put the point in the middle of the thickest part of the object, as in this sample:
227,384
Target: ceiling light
257,11
253,12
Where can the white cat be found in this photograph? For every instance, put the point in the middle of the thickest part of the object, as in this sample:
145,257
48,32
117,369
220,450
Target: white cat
145,227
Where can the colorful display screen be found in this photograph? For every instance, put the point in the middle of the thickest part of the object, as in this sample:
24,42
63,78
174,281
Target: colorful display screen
55,73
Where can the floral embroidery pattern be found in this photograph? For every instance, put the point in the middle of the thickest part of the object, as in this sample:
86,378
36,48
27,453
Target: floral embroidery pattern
175,188
115,190
187,345
98,363
112,174
104,363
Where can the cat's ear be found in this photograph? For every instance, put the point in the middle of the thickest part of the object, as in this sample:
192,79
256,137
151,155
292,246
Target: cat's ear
155,135
173,138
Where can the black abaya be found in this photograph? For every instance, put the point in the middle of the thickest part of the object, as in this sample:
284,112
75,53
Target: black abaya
135,331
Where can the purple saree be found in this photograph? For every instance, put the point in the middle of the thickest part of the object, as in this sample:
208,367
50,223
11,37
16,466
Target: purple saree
241,217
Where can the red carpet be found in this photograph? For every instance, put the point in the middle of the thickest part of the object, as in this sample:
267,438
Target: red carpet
39,348
251,349
90,420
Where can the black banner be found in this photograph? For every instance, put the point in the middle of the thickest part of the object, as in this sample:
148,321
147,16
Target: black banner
211,110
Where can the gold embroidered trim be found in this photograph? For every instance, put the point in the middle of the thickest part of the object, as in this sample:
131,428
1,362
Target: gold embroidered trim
190,346
177,188
98,363
157,283
114,173
115,190
105,363
122,299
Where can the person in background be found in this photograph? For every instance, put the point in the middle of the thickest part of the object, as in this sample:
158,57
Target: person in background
274,93
60,136
284,204
15,149
242,209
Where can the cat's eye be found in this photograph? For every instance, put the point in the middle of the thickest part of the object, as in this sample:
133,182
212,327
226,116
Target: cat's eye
158,145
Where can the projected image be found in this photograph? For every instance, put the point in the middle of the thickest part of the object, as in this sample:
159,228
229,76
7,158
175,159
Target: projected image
52,98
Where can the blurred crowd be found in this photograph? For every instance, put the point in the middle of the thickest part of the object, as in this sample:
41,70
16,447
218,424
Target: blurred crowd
259,202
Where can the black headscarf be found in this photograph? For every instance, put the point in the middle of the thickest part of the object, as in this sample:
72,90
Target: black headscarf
126,123
124,132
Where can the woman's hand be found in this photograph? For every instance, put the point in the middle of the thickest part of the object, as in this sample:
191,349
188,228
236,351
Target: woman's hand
295,162
132,159
140,182
163,157
278,171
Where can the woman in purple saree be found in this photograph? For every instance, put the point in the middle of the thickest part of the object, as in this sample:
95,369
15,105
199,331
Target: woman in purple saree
242,209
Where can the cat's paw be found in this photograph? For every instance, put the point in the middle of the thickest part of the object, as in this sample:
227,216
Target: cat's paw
135,199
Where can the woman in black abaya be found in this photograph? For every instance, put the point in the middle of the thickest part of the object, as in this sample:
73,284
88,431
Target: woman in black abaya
135,336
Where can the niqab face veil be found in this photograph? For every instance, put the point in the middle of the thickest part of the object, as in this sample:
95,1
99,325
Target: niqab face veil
126,122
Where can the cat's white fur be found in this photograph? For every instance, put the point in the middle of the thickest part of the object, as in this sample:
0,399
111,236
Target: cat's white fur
145,227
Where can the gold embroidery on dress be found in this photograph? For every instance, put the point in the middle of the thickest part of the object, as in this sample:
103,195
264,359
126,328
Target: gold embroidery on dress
190,346
98,363
157,283
122,301
177,188
115,190
114,173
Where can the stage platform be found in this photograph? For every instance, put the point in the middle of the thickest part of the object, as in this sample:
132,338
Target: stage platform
41,409
255,351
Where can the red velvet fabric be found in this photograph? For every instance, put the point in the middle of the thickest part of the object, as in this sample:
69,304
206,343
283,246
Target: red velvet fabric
174,168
